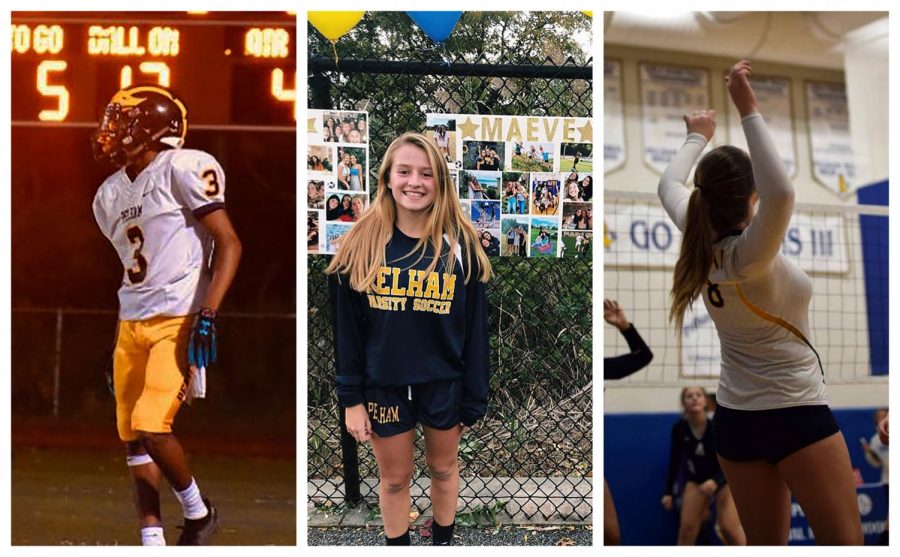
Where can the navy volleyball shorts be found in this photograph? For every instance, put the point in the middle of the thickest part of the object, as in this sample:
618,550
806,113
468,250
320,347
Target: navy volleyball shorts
745,435
394,410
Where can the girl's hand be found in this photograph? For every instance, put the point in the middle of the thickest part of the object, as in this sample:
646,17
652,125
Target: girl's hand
708,487
738,81
667,502
702,122
358,424
614,315
463,429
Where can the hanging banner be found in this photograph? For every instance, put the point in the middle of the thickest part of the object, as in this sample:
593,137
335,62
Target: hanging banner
613,116
773,95
642,235
667,94
829,137
337,164
526,182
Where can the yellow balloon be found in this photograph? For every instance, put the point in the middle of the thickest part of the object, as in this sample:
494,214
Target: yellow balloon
588,13
334,25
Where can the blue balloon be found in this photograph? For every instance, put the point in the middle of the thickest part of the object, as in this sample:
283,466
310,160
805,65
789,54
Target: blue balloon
437,25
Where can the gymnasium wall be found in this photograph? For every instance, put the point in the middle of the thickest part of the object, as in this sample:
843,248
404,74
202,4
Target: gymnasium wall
839,307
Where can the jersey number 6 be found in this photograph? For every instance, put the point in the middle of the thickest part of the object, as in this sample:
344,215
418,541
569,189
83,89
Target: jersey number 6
138,271
714,295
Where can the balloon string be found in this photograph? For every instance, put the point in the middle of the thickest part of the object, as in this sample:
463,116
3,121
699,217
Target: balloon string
334,48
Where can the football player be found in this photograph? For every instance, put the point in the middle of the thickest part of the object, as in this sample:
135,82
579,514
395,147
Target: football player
163,210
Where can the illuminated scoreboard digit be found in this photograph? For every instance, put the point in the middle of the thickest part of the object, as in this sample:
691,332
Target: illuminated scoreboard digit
230,69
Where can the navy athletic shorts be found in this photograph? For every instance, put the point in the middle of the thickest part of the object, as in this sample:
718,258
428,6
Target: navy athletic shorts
394,410
745,435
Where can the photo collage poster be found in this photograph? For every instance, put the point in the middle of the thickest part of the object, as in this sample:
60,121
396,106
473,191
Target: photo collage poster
526,182
337,164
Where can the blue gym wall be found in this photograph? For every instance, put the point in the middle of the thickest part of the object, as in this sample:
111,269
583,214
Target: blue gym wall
636,452
875,252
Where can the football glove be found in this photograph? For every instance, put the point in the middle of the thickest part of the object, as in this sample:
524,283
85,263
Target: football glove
202,346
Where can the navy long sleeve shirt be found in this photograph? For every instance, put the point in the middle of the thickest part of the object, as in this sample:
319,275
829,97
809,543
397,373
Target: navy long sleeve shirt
413,327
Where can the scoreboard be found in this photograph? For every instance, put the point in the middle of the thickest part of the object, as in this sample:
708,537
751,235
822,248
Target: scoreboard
234,69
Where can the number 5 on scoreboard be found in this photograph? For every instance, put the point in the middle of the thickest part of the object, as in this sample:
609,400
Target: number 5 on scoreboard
59,91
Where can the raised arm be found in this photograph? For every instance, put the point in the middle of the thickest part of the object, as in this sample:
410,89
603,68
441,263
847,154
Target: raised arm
762,240
618,367
672,191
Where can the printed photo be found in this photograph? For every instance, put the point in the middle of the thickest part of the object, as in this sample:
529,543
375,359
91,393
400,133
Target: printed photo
315,194
345,206
345,127
312,231
442,131
320,158
578,216
578,186
544,193
544,237
479,185
490,241
576,244
515,193
483,155
514,233
532,157
333,234
351,168
485,214
576,157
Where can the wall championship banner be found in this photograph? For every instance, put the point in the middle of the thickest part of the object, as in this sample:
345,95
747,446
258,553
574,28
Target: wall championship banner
337,164
526,182
642,236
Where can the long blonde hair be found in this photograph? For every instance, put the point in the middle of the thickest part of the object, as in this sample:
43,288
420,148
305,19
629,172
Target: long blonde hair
719,203
362,249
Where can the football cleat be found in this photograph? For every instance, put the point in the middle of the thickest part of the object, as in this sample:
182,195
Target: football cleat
138,118
201,530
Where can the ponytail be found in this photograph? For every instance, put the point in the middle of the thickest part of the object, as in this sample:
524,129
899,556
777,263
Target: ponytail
719,203
695,259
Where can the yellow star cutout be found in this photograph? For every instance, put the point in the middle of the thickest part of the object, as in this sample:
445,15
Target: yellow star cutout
311,125
468,128
587,132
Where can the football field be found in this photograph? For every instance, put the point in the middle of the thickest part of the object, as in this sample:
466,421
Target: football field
83,497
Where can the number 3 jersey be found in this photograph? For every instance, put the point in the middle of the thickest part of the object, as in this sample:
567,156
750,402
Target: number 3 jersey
152,222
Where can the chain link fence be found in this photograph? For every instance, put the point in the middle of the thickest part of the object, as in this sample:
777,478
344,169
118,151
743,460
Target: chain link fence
531,456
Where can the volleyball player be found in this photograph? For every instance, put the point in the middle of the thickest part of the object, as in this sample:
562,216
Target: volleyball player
619,367
775,434
693,444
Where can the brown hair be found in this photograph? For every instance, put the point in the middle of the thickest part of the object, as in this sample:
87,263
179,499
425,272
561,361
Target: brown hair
362,250
719,203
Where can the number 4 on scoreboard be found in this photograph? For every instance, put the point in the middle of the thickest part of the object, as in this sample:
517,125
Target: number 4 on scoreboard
282,94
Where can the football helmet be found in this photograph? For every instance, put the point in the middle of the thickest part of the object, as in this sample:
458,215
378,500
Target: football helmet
138,118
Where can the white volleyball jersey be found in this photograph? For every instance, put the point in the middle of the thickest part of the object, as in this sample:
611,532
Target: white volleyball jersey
758,300
152,222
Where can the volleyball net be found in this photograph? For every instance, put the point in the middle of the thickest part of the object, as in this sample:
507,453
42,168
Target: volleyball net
843,249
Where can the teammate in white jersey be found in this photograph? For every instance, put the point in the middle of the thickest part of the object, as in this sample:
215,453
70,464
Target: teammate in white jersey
163,211
775,435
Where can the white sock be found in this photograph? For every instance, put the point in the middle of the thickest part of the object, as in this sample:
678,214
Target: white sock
152,535
192,502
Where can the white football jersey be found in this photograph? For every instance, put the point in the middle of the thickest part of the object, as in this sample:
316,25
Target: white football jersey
152,222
